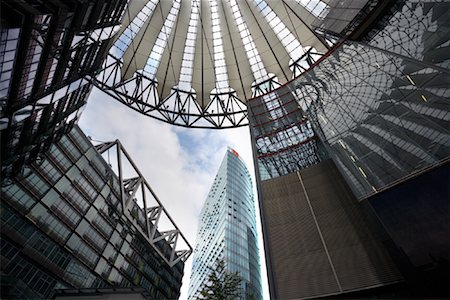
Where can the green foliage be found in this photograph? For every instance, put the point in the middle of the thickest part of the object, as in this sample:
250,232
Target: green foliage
222,285
251,297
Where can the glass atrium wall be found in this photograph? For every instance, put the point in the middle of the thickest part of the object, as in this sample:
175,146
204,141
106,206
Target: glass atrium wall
380,106
377,104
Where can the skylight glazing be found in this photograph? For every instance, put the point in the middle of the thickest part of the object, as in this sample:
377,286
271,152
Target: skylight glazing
187,64
123,42
316,7
220,65
288,40
256,64
151,67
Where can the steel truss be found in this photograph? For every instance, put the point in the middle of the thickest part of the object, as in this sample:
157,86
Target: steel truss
225,110
143,209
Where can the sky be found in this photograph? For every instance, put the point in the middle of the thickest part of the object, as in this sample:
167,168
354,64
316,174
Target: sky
179,163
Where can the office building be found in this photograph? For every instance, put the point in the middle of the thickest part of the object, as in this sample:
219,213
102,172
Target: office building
71,228
72,224
227,230
49,50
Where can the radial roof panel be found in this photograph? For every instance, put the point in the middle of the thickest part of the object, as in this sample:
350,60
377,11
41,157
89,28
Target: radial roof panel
214,53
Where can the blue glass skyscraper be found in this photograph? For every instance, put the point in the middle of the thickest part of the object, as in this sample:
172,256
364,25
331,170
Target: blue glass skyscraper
227,230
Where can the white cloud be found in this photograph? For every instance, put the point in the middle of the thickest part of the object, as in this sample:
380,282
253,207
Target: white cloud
179,163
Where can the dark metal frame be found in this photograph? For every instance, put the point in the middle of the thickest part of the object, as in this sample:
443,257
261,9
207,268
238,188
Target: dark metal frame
152,214
225,110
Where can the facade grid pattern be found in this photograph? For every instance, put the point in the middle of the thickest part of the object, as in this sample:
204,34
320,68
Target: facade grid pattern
227,230
68,228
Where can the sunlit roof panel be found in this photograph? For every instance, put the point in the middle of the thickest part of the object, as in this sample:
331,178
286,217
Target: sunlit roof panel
216,53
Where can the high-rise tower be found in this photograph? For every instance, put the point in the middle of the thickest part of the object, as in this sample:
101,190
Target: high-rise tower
227,229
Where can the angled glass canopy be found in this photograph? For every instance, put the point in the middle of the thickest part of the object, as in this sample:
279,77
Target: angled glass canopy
197,63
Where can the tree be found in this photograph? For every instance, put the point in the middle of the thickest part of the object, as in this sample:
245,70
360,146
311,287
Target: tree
221,285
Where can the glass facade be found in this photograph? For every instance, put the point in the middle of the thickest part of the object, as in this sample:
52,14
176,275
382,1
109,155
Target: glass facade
47,53
377,104
227,230
379,107
63,227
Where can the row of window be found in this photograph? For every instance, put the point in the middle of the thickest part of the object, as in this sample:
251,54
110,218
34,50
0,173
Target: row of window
61,218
